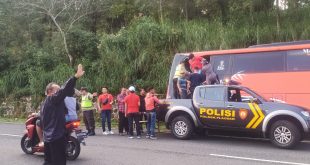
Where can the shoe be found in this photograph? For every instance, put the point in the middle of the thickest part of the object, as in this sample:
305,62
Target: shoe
138,137
153,137
130,137
111,133
147,136
92,134
105,133
41,144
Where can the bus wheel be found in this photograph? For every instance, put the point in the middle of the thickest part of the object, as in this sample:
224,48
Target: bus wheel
284,134
182,127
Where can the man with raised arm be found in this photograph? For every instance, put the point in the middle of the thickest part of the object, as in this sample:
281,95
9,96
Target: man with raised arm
53,119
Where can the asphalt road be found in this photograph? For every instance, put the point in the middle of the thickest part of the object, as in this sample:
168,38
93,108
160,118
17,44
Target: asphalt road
119,150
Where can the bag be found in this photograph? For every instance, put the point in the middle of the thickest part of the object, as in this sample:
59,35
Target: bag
105,101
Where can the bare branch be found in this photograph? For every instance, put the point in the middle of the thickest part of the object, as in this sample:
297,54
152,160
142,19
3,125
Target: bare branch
35,5
76,19
67,6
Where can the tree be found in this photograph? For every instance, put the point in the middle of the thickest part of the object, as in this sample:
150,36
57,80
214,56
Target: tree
63,13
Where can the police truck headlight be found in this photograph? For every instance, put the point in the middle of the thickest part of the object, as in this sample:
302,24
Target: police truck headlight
305,113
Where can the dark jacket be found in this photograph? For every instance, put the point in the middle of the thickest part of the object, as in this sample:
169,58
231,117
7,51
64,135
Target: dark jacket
53,112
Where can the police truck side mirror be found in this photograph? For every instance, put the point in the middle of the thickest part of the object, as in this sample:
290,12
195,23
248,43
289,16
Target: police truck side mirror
254,100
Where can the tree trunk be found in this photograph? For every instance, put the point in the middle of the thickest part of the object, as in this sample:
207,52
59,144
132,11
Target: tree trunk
278,17
63,35
223,6
186,10
161,11
66,48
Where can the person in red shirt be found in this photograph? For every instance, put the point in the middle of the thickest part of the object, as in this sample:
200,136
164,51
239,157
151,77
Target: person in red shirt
132,104
105,101
195,62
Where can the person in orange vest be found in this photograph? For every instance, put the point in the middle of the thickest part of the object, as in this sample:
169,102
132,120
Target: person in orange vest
150,101
132,104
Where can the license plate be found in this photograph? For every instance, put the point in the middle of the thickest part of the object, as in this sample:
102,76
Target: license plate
81,135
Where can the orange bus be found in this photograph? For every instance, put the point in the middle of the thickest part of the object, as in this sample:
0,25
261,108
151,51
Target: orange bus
278,71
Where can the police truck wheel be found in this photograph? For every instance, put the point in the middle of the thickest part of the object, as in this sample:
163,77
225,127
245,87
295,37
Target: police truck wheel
182,127
284,134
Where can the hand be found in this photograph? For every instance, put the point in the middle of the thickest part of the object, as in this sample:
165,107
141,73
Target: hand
80,72
32,115
95,94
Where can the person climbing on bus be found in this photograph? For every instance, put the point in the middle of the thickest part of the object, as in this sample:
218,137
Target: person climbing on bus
195,62
210,76
195,79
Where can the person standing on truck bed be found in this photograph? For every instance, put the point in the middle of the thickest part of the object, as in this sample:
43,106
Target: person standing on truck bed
210,76
182,85
195,62
180,68
195,79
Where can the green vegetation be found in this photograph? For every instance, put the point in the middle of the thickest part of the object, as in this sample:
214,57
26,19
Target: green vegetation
12,120
124,42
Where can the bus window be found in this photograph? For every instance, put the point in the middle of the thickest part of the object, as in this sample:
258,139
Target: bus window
221,65
259,62
298,60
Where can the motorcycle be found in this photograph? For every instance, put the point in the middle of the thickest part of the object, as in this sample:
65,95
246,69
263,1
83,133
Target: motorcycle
30,139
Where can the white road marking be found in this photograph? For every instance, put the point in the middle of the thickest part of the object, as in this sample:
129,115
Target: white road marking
249,138
10,135
258,160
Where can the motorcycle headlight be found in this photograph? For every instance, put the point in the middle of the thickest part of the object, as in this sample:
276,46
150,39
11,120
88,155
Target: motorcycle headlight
305,113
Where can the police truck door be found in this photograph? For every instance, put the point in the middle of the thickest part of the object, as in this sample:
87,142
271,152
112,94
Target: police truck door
248,115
